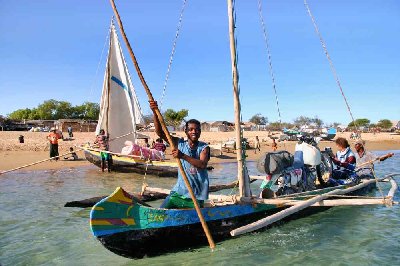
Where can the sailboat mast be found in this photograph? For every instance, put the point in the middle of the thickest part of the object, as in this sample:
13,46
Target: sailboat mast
244,185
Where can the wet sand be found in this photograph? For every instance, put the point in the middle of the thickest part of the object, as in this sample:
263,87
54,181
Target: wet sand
36,148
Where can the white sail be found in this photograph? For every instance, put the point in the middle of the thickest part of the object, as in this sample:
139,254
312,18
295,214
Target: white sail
119,107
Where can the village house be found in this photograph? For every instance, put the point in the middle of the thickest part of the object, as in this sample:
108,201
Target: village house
221,126
78,125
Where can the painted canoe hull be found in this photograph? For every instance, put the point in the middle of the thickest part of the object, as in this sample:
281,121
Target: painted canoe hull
131,165
134,231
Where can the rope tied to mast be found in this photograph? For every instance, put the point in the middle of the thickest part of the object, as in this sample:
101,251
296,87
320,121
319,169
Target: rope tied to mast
271,72
330,62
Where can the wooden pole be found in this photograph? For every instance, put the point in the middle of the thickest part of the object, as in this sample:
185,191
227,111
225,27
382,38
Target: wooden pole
244,186
41,161
381,158
165,129
284,213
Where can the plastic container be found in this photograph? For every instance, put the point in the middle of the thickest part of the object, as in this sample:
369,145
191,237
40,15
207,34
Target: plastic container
311,155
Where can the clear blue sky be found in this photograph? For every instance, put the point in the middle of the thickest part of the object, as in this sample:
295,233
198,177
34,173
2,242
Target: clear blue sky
51,49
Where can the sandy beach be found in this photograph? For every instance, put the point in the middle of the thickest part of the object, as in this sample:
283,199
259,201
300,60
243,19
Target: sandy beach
36,148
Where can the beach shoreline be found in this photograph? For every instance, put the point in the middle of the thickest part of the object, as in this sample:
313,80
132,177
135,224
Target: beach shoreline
36,148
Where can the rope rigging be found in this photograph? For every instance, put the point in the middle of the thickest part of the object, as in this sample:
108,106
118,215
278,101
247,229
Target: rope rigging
171,58
101,57
330,61
271,72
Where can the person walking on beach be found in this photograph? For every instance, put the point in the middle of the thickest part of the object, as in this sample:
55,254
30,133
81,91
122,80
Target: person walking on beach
194,156
53,137
257,145
274,145
102,142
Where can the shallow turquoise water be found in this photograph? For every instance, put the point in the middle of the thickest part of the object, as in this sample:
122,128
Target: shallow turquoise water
35,228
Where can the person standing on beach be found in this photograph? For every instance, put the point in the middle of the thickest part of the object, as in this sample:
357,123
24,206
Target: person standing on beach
257,145
194,156
53,137
102,142
70,134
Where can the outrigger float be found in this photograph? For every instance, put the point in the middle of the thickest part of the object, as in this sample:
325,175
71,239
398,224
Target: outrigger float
133,229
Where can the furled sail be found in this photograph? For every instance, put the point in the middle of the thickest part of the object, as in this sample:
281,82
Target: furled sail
119,107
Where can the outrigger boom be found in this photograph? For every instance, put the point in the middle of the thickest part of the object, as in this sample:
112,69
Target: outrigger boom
316,201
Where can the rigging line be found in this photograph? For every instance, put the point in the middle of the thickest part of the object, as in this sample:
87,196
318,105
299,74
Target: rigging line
271,72
330,61
101,57
171,58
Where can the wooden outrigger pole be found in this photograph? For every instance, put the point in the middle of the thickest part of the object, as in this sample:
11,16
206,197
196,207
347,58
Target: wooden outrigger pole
164,127
244,184
314,201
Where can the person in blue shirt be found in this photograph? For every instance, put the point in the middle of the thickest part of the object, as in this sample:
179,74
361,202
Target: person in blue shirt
194,156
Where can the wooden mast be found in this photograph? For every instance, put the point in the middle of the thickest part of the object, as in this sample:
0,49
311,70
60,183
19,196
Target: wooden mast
244,185
165,129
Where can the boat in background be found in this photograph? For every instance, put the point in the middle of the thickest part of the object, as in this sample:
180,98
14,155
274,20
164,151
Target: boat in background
328,133
120,114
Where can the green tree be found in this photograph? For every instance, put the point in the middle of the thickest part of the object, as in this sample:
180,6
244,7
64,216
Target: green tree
63,110
258,119
175,118
87,110
47,110
148,119
53,110
20,114
384,123
279,126
317,121
302,120
360,122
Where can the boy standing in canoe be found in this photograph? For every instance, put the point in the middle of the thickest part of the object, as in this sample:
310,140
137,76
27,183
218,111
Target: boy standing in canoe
194,156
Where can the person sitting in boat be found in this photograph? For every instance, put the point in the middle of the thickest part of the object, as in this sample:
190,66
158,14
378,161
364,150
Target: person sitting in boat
160,147
128,148
194,156
363,156
344,160
146,143
102,142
